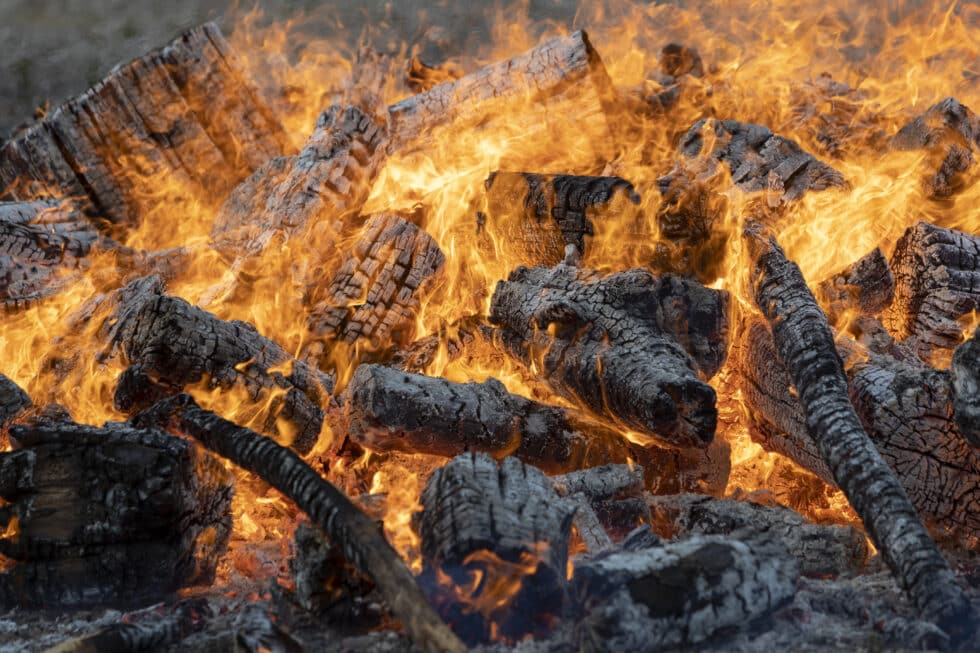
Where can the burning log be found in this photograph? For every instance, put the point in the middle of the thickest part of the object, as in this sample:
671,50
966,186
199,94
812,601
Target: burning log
867,286
559,77
628,346
326,182
806,347
819,550
108,515
533,217
148,120
375,296
177,344
679,593
501,522
362,543
949,133
966,389
937,281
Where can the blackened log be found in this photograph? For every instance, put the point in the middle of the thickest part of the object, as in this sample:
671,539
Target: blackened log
374,298
627,346
613,494
600,483
532,218
806,347
949,134
542,90
362,542
867,286
390,410
109,515
178,344
319,188
820,550
679,593
937,281
488,518
966,389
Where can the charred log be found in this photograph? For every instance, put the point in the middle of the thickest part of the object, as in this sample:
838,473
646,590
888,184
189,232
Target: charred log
358,536
533,217
488,518
949,134
601,483
819,550
966,389
937,281
806,347
109,515
610,497
375,296
14,402
867,286
626,346
680,593
416,356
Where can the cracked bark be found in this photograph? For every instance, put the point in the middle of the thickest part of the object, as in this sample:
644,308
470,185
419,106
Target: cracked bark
627,346
110,515
362,542
806,347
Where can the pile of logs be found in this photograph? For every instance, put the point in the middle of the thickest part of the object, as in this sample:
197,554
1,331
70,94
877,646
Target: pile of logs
594,518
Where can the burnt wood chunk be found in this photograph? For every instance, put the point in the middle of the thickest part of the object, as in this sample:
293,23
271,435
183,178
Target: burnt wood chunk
600,483
534,217
867,286
308,195
966,389
502,521
559,83
805,346
109,515
679,593
937,282
177,344
390,410
627,346
359,537
14,402
949,134
819,550
374,298
609,502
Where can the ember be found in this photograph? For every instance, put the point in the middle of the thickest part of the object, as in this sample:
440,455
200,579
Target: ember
674,345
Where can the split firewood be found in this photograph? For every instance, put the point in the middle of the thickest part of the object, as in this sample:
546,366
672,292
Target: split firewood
937,282
502,522
163,116
966,389
627,346
539,94
362,542
374,298
819,550
177,344
949,134
533,218
679,593
108,515
867,286
805,346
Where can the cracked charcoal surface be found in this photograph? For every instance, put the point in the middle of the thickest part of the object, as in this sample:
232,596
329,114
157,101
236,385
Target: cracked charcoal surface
866,286
965,372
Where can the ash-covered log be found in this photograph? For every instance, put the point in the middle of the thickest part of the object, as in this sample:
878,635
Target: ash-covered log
532,218
609,501
359,537
937,282
177,344
679,593
805,346
374,298
391,410
109,515
949,134
966,389
819,550
867,286
541,91
628,346
504,525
